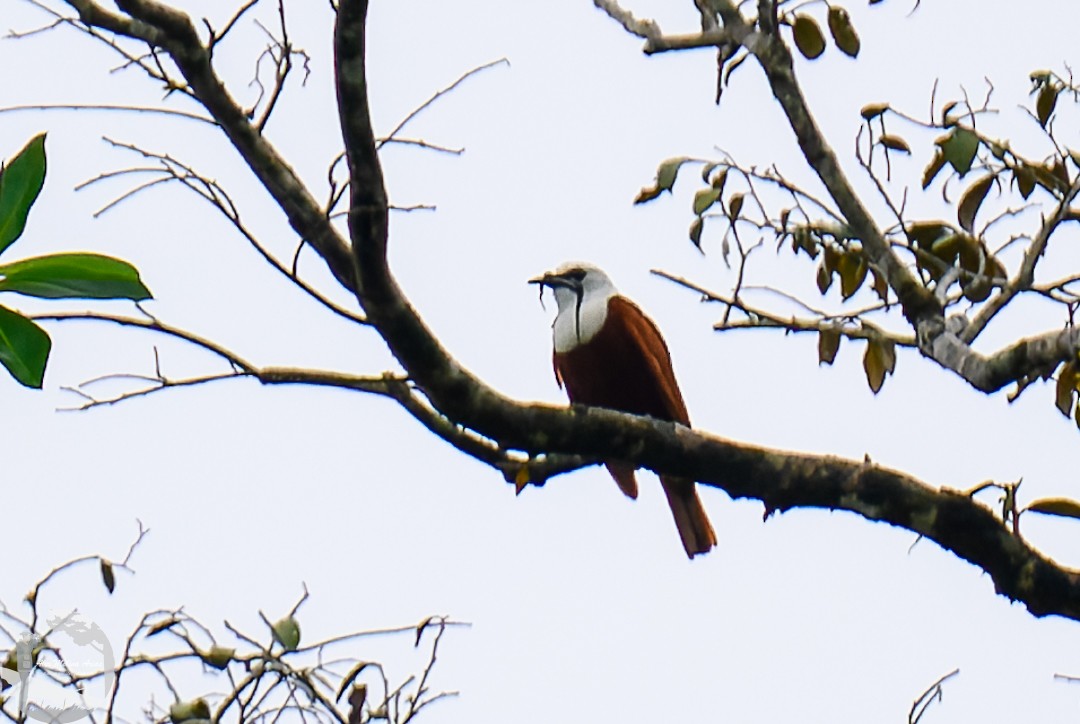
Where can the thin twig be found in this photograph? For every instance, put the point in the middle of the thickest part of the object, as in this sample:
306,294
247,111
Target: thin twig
186,115
438,94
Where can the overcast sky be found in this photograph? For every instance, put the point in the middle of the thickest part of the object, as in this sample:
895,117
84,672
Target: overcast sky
583,605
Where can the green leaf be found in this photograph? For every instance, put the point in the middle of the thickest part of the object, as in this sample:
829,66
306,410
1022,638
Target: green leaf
695,231
873,110
924,233
182,711
708,169
888,351
58,276
852,271
959,147
881,285
20,183
874,367
218,656
843,32
808,37
894,143
949,246
421,627
719,180
705,198
802,239
1060,172
974,255
971,201
735,204
1065,507
1040,77
879,360
1046,102
160,626
828,344
1025,180
733,66
287,633
24,348
668,172
665,179
933,168
824,278
1066,386
107,575
832,256
646,194
1052,177
350,678
945,111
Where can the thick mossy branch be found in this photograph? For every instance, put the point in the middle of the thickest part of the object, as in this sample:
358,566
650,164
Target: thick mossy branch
481,421
781,480
1020,362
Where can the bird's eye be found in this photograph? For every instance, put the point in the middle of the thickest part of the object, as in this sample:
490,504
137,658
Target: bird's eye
577,275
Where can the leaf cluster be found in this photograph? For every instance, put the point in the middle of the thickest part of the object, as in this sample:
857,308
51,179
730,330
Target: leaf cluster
25,345
958,261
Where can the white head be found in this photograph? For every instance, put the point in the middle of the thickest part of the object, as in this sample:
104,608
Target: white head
582,292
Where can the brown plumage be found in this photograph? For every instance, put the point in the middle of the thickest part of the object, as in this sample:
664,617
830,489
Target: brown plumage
625,365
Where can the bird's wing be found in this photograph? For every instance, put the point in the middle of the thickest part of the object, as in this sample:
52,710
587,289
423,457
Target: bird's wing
654,350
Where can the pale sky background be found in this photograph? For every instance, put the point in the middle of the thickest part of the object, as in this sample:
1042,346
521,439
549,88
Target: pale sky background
583,605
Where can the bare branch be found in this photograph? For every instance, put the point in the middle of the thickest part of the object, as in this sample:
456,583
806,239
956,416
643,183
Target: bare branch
167,29
928,697
462,409
171,169
420,143
762,319
217,37
781,480
392,136
647,29
186,115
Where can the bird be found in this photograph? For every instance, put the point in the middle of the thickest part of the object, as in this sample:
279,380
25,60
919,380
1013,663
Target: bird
608,353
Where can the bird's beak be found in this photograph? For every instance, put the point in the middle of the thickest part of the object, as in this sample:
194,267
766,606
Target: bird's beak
542,279
551,279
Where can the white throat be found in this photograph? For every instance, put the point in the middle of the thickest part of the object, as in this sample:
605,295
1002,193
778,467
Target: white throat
576,324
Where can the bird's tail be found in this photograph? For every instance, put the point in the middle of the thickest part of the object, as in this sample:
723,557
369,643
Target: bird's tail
694,527
624,477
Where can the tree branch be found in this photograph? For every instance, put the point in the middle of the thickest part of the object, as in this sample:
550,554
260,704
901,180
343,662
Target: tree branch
647,29
781,480
164,27
1025,276
458,403
775,59
1020,362
946,344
